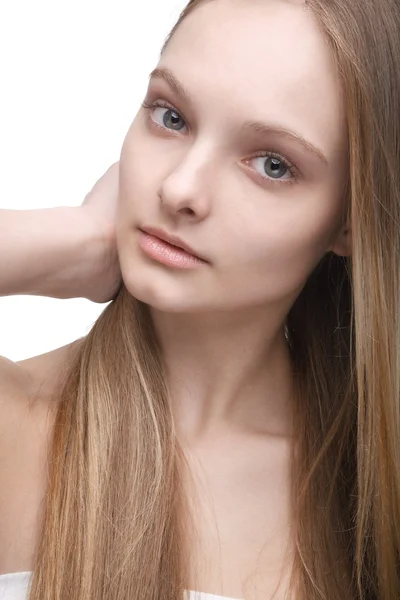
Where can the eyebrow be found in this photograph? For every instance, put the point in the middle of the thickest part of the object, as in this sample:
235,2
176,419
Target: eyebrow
254,126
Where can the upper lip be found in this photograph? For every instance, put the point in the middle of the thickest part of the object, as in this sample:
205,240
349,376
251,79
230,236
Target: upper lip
171,239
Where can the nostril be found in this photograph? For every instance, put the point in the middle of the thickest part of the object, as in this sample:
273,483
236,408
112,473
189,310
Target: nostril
188,211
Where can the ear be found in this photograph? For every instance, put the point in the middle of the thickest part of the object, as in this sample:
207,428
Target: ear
343,242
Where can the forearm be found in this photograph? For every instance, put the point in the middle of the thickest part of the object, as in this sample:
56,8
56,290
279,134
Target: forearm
45,252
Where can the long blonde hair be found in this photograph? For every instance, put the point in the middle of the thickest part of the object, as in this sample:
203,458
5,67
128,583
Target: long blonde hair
116,518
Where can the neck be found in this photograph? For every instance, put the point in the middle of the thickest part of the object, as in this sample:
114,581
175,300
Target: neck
228,371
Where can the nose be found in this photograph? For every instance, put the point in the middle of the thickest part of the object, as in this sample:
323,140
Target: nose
186,191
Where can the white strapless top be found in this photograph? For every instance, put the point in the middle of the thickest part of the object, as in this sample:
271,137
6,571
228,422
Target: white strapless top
14,586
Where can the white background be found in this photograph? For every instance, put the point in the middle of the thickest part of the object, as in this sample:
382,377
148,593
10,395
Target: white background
73,75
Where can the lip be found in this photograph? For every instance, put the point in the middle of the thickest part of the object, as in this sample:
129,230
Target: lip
171,239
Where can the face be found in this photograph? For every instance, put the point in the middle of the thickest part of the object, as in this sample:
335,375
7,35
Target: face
261,204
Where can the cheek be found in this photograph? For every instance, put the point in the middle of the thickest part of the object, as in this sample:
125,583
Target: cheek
277,252
137,176
130,161
283,229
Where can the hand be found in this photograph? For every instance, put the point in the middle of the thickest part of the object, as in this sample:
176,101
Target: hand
100,206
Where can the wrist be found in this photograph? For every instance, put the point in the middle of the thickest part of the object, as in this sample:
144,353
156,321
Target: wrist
73,252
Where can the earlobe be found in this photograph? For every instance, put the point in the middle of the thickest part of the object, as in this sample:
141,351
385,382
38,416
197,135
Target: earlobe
343,243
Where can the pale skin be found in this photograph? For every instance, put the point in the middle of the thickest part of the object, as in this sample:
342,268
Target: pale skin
221,327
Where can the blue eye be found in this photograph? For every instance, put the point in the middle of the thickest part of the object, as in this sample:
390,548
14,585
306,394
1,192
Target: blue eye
170,119
275,167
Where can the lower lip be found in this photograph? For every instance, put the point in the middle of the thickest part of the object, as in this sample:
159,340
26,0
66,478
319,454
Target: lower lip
167,253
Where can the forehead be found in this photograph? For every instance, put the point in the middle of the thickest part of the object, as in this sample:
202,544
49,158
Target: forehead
267,59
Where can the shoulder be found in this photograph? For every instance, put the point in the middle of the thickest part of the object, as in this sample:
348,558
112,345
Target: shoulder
33,381
27,412
41,374
13,383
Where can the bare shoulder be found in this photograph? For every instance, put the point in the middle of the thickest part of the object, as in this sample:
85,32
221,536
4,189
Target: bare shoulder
32,382
42,373
27,411
11,377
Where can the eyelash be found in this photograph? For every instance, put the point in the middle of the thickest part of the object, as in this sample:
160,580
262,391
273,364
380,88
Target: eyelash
292,169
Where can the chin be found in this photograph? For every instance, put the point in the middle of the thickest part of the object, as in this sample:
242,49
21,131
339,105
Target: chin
161,296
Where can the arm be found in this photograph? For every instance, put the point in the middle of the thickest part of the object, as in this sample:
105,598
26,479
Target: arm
47,252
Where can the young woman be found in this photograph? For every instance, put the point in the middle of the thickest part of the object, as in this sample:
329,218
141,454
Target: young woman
231,423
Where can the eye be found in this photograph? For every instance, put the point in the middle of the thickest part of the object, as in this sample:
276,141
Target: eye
275,168
171,119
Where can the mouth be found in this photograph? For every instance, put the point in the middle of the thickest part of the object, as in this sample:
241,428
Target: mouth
166,253
172,240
